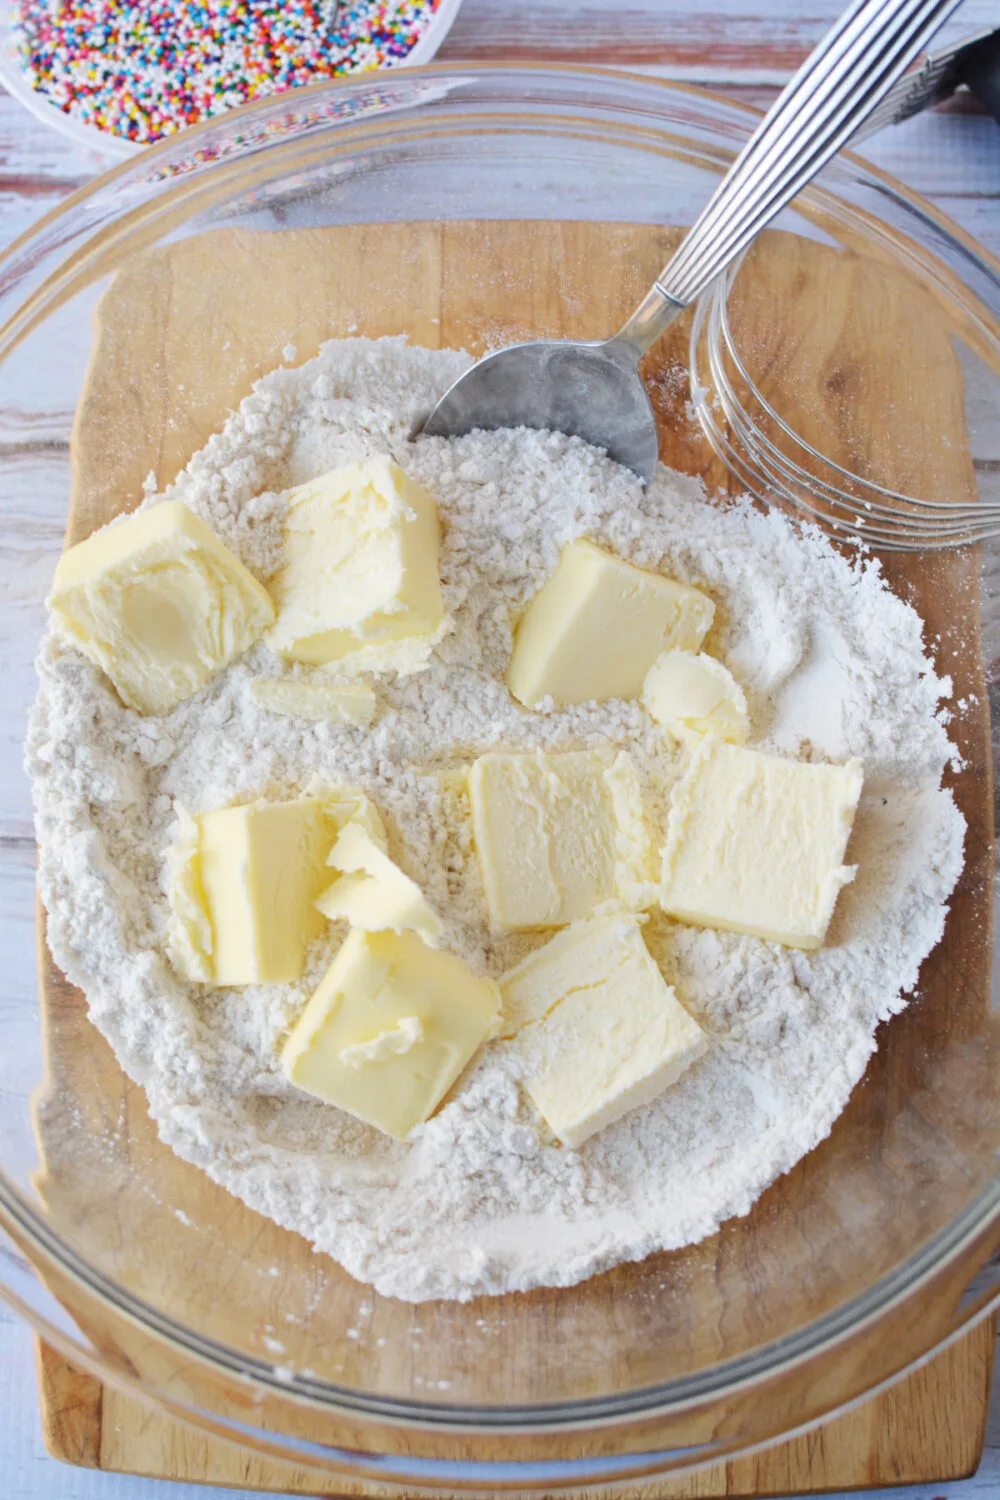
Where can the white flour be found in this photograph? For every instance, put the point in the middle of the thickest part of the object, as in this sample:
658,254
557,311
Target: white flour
480,1200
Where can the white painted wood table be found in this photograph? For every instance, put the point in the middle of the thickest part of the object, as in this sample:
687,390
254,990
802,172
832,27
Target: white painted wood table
742,47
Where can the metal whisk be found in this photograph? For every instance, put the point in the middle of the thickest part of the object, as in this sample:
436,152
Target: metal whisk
592,388
774,461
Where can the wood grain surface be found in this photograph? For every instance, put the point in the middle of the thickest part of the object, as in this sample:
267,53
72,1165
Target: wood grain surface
158,387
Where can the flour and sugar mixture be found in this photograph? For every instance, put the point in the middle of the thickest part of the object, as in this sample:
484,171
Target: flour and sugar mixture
482,1198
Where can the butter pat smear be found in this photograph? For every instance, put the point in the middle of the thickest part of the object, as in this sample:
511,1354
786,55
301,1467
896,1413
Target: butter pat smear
557,835
392,1043
373,892
360,584
331,702
349,805
159,604
597,1028
756,844
595,628
389,1029
691,694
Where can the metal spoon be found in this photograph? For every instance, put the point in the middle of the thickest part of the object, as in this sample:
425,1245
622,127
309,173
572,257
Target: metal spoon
591,389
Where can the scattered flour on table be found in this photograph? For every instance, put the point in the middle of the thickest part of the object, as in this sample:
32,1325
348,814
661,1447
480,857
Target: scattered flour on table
480,1199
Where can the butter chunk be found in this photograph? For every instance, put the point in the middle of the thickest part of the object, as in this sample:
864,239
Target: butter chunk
159,603
598,1029
635,885
189,930
242,885
389,1029
346,805
556,835
756,844
373,892
333,702
596,627
696,694
360,582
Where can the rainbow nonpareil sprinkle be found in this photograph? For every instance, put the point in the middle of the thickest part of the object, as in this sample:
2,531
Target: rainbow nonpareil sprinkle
143,71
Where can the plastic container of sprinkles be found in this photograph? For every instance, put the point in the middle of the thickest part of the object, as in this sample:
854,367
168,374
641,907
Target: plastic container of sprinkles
187,61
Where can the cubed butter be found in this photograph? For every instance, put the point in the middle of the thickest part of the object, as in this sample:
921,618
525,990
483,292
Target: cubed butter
691,694
756,844
390,1028
159,603
373,892
262,868
242,883
360,583
556,835
598,1029
596,627
332,702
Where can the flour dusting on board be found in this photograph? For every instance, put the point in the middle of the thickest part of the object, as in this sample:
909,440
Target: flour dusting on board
480,1199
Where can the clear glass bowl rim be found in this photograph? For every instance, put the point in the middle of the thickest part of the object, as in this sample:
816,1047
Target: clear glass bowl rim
979,1221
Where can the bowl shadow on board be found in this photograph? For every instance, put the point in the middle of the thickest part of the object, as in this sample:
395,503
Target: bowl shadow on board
908,1151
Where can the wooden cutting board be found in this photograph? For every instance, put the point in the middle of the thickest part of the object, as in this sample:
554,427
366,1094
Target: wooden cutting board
180,337
928,1427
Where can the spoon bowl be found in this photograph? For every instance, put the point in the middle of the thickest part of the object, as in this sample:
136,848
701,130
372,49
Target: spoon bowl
588,390
592,390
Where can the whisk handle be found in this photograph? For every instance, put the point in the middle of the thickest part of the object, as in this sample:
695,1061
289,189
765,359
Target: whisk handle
836,88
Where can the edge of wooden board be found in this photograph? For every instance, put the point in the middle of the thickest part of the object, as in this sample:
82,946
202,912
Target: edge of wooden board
897,1437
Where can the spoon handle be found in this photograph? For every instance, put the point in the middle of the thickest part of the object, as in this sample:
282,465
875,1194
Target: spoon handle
837,87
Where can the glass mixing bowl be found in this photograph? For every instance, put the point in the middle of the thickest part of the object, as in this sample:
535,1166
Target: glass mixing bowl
874,1249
